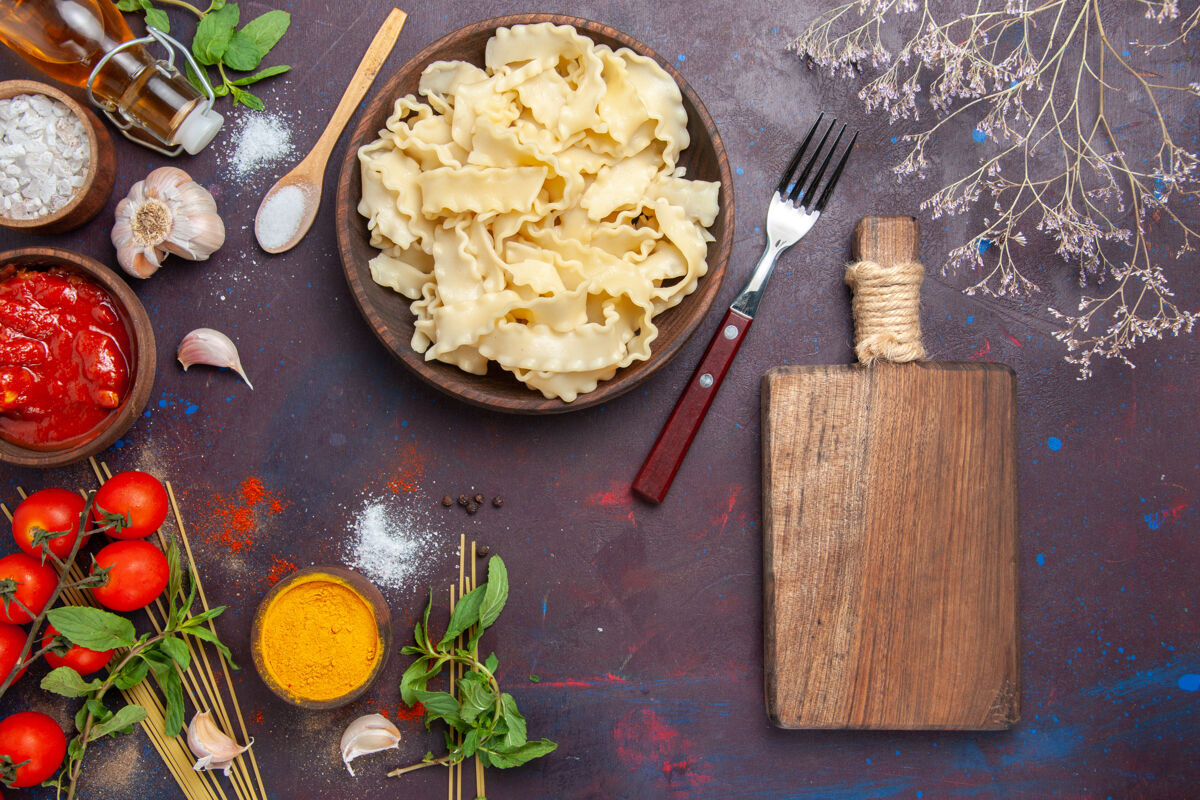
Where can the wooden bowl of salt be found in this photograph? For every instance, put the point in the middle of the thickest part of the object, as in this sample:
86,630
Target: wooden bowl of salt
99,171
321,637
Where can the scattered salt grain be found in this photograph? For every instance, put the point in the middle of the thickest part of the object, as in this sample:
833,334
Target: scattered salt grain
280,216
390,543
259,141
44,155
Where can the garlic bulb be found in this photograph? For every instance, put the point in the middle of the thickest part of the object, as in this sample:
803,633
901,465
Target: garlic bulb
368,734
206,346
167,212
212,748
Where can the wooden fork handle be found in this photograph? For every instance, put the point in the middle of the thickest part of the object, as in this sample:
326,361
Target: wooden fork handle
654,479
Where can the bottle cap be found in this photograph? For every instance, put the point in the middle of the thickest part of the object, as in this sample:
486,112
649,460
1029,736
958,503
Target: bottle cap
198,129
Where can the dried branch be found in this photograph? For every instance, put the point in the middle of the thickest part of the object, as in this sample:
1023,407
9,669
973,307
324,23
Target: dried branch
1043,81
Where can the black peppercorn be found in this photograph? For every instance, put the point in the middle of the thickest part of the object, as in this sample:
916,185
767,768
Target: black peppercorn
463,500
447,501
479,499
472,507
497,501
482,550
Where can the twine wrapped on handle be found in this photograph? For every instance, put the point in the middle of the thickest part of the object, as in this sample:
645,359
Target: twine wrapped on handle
887,322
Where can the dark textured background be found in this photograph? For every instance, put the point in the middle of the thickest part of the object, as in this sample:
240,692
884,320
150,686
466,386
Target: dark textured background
644,624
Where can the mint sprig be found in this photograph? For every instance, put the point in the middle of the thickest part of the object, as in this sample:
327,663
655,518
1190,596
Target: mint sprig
219,43
163,655
486,718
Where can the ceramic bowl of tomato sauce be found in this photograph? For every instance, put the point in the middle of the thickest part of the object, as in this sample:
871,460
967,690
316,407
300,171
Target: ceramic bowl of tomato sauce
76,357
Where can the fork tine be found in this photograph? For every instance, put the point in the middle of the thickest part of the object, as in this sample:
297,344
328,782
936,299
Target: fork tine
795,192
837,173
781,189
806,199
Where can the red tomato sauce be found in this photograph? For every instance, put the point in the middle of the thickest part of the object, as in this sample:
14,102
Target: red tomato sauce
64,358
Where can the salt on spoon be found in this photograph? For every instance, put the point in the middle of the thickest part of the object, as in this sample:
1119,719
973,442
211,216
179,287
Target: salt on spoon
290,206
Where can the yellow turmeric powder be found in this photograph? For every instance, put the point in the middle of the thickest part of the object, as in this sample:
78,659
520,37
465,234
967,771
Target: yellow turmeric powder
319,638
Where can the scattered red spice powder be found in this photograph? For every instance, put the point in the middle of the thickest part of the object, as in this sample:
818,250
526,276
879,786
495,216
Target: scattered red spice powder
234,518
405,714
409,473
257,718
279,568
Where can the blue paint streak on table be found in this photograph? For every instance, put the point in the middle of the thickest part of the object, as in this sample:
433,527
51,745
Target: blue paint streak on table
644,624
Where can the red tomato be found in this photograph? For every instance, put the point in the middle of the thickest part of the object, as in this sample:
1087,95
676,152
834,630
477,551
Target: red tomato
12,642
34,737
53,510
138,498
34,583
80,659
139,574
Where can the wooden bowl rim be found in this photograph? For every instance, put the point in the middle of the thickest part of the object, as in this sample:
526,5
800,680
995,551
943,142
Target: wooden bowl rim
144,368
24,86
535,403
374,599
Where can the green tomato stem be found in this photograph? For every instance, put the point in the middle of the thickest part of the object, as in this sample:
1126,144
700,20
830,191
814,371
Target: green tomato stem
40,618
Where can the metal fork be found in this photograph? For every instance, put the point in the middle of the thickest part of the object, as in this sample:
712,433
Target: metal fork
793,210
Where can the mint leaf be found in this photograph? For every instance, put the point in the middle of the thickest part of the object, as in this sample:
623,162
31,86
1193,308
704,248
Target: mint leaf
172,690
214,33
128,5
496,594
119,722
505,758
516,735
440,705
246,98
470,742
210,637
466,614
416,678
475,695
177,649
249,45
68,683
194,79
262,74
133,673
92,628
157,18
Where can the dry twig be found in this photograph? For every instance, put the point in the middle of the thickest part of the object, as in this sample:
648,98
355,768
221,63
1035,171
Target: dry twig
1046,83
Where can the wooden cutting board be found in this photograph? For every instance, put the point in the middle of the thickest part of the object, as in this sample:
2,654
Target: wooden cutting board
890,537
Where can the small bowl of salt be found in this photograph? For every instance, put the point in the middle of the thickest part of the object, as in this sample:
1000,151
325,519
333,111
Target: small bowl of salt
57,163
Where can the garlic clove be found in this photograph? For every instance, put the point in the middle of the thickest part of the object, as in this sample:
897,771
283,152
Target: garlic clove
371,733
166,212
210,347
212,748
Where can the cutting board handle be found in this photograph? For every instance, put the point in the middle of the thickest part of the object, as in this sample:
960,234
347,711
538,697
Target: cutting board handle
886,281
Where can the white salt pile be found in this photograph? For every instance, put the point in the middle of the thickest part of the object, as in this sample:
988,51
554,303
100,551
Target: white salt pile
259,141
43,156
390,543
280,216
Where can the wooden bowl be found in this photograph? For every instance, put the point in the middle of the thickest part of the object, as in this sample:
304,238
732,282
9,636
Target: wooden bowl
383,625
141,339
387,312
101,170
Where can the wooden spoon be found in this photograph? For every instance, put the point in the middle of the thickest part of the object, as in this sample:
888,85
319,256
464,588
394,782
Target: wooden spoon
274,229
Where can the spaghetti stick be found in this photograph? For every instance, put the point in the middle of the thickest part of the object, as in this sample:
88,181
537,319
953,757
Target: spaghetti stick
224,666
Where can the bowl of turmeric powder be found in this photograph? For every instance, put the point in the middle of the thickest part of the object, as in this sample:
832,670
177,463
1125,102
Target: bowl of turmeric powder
321,637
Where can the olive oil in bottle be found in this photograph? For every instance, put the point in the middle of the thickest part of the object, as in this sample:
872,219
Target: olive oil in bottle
68,39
